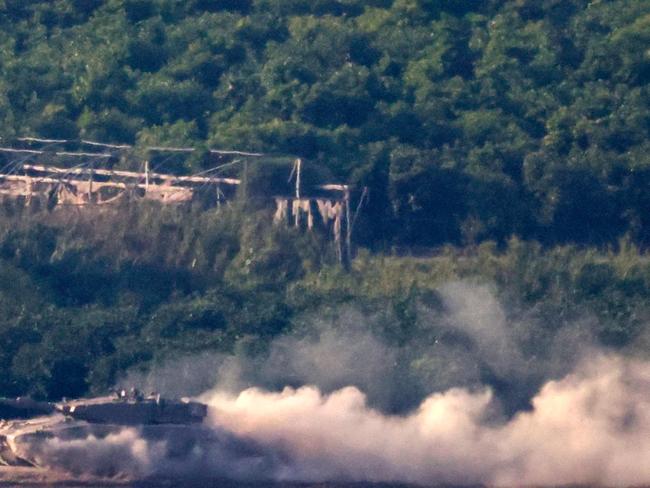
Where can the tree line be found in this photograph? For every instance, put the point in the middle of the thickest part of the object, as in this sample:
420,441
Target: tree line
467,120
516,127
87,296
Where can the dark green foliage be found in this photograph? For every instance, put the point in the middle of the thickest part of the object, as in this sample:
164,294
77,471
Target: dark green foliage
518,117
469,122
87,295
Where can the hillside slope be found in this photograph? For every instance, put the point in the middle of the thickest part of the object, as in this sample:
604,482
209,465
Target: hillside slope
467,120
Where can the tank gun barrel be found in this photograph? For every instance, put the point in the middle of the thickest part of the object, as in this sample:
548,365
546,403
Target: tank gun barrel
19,408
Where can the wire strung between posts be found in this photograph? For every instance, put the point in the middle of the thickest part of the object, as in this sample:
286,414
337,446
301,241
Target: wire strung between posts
128,146
102,144
170,149
84,154
362,199
215,170
224,152
47,141
27,151
236,153
57,153
13,165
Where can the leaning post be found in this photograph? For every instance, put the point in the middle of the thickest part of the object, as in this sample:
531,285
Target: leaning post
347,262
298,168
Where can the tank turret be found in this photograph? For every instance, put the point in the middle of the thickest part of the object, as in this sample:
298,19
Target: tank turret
134,410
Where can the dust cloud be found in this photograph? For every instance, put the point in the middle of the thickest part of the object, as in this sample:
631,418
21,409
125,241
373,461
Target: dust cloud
462,400
123,453
591,427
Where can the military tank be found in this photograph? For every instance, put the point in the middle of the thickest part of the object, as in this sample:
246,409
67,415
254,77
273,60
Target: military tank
122,438
28,426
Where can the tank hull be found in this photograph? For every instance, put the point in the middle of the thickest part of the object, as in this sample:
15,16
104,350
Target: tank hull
108,438
63,448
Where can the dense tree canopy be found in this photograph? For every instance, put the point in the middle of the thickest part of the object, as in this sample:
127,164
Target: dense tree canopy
467,119
470,121
86,296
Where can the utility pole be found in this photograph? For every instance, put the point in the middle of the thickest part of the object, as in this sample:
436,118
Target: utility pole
348,230
146,176
90,186
298,167
245,180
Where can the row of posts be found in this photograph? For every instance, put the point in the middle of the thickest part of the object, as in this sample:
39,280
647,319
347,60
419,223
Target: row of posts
344,255
344,251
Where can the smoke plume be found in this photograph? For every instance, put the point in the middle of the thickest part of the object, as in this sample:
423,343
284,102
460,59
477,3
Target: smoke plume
591,427
472,394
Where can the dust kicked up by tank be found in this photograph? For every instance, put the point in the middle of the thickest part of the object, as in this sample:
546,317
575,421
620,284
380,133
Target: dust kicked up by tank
590,427
117,439
104,437
587,423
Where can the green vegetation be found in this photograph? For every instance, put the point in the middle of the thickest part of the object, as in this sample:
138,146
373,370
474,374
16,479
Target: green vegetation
469,121
86,295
